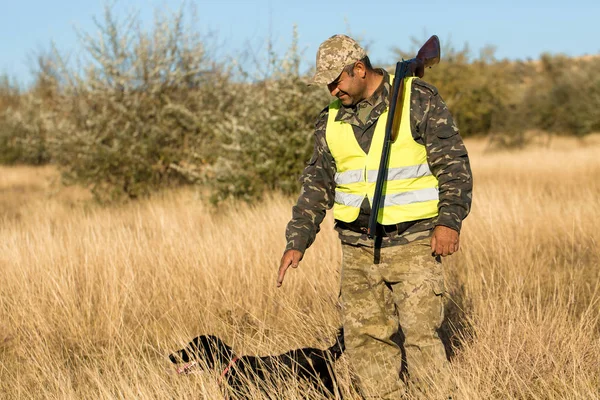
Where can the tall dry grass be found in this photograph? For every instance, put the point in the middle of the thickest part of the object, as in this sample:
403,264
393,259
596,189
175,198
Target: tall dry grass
92,299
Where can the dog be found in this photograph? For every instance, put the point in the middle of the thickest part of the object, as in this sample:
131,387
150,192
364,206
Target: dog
311,364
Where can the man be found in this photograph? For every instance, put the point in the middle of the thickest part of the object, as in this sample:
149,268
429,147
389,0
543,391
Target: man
392,288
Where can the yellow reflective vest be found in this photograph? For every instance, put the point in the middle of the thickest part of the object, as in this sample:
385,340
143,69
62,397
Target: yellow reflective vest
410,191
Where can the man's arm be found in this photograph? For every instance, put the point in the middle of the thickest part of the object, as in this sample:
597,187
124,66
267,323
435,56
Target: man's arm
449,162
316,197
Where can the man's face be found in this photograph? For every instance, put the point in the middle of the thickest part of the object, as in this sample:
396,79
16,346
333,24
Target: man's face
349,89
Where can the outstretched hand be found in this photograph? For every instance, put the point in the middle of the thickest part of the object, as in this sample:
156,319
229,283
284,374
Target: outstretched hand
291,258
444,241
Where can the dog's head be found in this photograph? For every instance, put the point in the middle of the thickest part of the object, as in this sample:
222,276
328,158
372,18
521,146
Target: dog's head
206,349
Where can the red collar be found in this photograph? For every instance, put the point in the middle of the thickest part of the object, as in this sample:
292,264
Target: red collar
231,363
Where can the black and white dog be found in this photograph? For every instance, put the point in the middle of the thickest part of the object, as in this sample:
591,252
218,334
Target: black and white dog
311,364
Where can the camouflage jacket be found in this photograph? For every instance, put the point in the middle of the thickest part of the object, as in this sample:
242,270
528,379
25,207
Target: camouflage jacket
431,125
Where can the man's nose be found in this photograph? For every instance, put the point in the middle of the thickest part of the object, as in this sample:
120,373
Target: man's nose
333,89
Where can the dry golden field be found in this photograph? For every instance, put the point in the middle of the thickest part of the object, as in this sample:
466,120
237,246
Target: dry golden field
92,299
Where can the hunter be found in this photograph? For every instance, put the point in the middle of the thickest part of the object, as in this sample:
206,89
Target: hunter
392,288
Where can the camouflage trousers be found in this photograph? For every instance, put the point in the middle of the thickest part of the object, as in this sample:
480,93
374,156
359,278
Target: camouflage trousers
391,313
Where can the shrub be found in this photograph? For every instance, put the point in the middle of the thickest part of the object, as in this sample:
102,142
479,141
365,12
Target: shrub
565,96
267,134
24,125
141,114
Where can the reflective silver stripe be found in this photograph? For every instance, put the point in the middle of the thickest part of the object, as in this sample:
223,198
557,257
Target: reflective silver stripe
397,199
415,196
347,199
348,177
411,172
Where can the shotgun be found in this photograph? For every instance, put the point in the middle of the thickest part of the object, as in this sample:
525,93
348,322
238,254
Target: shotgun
427,56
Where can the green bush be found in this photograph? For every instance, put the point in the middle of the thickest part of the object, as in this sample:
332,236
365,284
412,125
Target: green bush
141,115
267,134
564,97
24,126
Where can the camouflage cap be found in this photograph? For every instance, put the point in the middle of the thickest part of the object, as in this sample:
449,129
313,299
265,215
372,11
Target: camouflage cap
333,55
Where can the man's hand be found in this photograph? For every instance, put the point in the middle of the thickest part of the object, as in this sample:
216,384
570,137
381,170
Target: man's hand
291,258
444,241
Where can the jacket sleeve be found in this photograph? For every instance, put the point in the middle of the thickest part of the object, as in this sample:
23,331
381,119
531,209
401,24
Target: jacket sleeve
317,193
446,154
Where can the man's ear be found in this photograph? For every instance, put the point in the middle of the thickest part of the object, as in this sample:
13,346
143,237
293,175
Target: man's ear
360,70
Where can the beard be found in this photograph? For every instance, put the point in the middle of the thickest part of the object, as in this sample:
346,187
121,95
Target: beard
346,99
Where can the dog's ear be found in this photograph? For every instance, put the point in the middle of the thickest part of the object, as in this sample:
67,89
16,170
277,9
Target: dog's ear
199,349
213,350
220,351
206,349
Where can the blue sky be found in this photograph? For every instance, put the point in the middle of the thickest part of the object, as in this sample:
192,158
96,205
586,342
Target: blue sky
519,29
